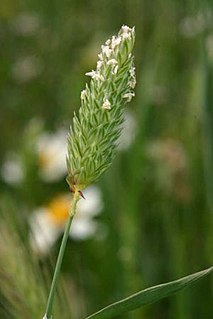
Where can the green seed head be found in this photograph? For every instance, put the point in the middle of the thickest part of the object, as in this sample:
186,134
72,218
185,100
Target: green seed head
95,130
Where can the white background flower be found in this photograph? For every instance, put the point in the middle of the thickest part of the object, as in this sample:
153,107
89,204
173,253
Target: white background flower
12,169
47,223
128,132
51,149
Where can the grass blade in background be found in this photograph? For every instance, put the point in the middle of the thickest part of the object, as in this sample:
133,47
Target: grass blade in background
148,296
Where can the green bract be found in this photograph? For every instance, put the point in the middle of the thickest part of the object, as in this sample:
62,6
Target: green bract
95,130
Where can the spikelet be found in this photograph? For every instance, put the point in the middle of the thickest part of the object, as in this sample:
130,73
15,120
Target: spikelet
95,130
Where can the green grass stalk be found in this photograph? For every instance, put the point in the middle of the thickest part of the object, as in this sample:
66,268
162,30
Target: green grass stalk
50,301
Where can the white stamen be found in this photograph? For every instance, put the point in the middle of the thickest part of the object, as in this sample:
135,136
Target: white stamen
128,96
125,29
132,83
115,70
112,62
126,32
132,71
95,75
91,73
99,64
83,94
106,50
115,41
106,105
100,55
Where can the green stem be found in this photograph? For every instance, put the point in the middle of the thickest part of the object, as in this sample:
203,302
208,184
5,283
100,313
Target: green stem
48,314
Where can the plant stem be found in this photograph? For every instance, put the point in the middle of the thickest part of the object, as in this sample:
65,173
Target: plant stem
48,314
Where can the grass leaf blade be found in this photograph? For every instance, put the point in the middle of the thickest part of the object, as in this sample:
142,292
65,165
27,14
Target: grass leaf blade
149,295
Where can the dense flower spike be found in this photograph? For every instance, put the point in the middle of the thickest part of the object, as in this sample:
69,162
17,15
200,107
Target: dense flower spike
95,131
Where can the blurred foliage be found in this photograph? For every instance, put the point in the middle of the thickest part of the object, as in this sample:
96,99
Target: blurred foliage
158,196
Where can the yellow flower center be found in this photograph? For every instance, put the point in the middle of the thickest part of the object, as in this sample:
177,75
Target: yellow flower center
58,209
44,159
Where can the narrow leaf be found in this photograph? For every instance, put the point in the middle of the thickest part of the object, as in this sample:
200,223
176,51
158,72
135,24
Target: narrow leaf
148,296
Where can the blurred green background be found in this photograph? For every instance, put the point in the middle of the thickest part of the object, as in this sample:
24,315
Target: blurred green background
156,221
